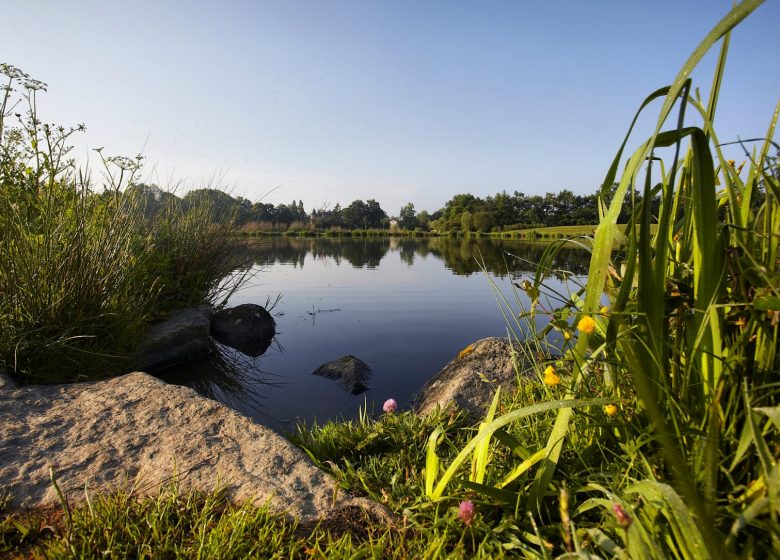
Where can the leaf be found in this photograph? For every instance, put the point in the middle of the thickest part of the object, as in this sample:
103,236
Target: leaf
432,461
767,303
498,423
773,413
684,527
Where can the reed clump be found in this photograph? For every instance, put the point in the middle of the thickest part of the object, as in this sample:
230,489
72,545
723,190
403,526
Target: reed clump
84,268
666,421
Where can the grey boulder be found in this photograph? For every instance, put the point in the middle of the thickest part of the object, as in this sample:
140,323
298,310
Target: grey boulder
470,380
182,337
248,328
138,432
348,370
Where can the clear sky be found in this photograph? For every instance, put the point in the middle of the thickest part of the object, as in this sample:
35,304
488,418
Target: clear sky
328,101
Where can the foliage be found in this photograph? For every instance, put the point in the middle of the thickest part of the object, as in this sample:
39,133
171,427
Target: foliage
83,271
686,350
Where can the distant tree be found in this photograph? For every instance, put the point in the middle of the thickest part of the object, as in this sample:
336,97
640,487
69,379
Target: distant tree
466,221
407,217
374,214
221,206
356,215
424,220
482,220
151,198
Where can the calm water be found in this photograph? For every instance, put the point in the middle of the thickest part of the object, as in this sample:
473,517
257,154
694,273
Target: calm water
405,306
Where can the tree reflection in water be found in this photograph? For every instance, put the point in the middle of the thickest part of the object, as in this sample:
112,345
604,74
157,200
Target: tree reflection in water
462,256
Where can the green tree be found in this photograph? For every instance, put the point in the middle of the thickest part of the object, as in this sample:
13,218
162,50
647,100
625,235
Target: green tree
407,217
375,216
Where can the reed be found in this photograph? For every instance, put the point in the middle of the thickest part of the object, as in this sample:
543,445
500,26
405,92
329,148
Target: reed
85,268
678,330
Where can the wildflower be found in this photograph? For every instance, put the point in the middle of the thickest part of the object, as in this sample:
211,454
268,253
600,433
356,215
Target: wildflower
551,379
466,351
610,409
623,519
390,406
466,512
587,324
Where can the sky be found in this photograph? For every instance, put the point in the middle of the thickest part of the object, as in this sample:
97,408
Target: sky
401,101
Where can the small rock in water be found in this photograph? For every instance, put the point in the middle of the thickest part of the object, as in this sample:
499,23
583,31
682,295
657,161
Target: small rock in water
248,328
350,371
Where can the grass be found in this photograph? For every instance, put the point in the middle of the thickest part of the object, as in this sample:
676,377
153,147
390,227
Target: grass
382,458
85,269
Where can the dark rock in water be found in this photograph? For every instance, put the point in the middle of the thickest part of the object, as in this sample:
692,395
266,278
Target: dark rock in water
182,337
350,371
470,380
248,328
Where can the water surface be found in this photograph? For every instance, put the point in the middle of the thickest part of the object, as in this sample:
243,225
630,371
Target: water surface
405,306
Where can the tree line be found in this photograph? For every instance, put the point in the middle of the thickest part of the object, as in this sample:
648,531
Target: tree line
463,212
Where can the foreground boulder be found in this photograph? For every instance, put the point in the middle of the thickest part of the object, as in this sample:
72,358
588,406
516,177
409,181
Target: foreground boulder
182,337
469,381
6,383
348,370
248,328
138,431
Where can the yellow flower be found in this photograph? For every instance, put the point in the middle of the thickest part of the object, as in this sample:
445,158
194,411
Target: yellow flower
587,324
466,351
611,409
604,310
551,379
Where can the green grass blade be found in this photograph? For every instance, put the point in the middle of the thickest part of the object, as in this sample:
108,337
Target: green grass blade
500,422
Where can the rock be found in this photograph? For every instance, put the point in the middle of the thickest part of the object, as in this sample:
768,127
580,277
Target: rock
248,328
470,380
137,431
351,372
182,337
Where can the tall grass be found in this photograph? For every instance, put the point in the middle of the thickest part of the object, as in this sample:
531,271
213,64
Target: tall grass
685,350
84,269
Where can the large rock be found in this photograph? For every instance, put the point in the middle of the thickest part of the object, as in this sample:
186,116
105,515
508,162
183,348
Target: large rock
182,337
470,380
248,328
348,370
137,430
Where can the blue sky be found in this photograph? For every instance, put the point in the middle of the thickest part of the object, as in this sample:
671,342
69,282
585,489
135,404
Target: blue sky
329,101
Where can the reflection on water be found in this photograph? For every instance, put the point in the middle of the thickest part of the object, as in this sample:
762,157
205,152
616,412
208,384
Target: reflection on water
405,306
462,256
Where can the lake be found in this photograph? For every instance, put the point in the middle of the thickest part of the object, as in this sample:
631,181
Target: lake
406,306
